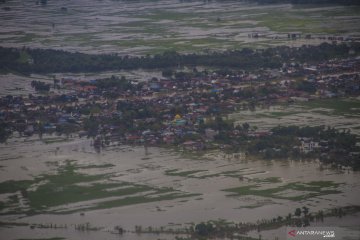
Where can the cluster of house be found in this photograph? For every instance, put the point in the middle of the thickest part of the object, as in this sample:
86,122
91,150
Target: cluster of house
170,110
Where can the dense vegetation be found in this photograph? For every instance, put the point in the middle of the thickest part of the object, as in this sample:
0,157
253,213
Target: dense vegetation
4,132
40,86
334,145
337,147
301,217
50,61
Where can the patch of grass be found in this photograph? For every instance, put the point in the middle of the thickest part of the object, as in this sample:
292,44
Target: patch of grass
2,205
24,57
63,188
338,106
107,165
312,189
340,12
69,186
299,19
50,195
233,173
251,206
281,21
12,186
28,37
239,174
13,224
268,180
209,175
176,172
137,200
84,37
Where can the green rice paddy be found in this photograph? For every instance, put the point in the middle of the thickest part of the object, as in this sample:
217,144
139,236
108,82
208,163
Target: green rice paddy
50,192
170,26
299,190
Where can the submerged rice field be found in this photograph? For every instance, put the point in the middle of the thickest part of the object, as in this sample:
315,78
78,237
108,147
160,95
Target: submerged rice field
56,182
54,186
339,113
150,27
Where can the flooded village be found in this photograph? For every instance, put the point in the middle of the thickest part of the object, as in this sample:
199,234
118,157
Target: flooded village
233,120
185,109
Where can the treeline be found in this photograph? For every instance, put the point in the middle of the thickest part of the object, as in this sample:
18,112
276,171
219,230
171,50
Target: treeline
51,61
334,146
40,86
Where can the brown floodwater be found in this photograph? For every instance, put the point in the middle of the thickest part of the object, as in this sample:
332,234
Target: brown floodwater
141,27
26,159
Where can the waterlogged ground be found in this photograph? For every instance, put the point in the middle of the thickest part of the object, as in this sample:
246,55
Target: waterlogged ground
141,27
60,182
341,113
15,84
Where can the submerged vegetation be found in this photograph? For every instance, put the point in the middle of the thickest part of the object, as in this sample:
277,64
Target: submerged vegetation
220,228
50,193
298,191
328,145
222,166
300,218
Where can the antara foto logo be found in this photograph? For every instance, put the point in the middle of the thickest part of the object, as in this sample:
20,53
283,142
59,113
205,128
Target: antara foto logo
292,233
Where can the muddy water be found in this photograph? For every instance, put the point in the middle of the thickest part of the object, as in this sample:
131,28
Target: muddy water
108,234
15,84
27,159
296,114
142,27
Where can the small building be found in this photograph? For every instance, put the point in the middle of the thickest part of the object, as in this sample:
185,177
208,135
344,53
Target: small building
308,145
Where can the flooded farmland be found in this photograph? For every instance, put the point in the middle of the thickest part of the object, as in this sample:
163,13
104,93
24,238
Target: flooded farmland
138,28
216,146
338,113
165,187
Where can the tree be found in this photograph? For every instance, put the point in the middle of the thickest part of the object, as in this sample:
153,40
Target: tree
204,229
298,212
305,210
91,125
167,73
306,86
246,126
40,86
4,132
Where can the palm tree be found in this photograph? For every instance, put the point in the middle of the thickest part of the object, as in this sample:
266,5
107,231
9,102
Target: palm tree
305,210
